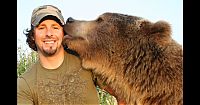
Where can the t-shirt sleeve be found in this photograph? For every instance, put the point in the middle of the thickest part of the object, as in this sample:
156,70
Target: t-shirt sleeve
23,92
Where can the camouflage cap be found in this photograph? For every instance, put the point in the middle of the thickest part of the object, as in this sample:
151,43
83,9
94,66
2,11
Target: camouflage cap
45,10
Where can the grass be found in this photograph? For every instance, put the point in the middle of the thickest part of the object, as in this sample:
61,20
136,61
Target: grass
25,59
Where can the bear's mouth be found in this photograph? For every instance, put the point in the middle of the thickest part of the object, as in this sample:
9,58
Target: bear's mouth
73,37
67,36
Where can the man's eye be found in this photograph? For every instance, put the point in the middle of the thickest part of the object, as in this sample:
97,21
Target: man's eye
55,28
40,28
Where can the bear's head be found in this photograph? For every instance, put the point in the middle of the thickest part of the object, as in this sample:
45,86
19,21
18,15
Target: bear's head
137,57
112,35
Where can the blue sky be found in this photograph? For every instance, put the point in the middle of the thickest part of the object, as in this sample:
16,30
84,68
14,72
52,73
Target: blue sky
153,10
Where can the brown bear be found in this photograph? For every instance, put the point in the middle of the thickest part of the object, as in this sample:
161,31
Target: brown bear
137,57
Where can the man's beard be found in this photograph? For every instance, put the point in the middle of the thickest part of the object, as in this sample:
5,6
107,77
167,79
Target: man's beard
47,52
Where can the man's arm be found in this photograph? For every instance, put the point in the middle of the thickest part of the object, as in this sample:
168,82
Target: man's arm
24,96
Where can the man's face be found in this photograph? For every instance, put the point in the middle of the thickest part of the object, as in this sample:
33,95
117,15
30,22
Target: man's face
48,37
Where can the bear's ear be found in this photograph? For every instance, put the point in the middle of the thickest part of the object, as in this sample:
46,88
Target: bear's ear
160,28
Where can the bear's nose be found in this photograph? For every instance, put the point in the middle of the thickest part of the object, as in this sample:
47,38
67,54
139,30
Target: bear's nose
70,20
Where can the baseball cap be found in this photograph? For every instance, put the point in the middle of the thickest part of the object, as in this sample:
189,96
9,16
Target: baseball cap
43,11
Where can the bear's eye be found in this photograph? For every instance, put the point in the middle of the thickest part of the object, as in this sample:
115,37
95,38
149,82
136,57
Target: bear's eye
99,20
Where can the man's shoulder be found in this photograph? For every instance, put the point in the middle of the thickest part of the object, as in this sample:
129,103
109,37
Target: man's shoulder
72,57
29,72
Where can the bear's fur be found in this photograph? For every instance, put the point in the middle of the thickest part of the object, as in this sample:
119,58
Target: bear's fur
138,58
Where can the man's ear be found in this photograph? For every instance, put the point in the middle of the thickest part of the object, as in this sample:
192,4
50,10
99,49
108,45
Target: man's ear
32,37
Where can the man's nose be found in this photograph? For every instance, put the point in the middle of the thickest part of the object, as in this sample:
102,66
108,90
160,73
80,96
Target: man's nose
49,32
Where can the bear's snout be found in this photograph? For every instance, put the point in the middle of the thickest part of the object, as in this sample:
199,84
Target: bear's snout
70,20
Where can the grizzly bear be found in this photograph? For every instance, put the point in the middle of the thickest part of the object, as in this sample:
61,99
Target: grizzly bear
138,58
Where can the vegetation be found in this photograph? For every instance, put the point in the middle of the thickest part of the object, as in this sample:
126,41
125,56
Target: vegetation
25,59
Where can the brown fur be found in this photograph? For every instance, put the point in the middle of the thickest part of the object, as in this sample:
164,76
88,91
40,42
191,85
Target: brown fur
138,58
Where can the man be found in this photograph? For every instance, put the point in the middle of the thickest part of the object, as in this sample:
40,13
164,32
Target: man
57,77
